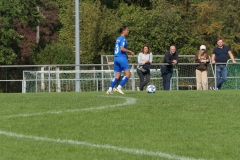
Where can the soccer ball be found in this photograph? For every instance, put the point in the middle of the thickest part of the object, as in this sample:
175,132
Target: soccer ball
151,89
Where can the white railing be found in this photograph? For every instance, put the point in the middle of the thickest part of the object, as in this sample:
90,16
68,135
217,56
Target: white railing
97,77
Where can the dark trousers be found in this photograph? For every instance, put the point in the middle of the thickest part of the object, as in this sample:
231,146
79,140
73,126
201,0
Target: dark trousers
144,78
167,80
167,75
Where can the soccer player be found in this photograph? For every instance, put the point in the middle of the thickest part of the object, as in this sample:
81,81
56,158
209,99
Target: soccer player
121,61
220,55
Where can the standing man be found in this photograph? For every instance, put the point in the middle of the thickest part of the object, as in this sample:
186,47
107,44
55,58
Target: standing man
220,55
171,57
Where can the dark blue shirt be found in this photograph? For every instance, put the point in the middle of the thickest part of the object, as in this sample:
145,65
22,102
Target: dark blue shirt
168,58
221,54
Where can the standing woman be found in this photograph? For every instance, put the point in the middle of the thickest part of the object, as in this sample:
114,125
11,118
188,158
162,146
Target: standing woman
143,70
202,57
121,61
171,57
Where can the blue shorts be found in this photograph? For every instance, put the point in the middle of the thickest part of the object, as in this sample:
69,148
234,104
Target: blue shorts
121,64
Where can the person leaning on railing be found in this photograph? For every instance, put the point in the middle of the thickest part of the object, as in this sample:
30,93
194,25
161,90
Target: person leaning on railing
171,57
143,69
202,57
220,55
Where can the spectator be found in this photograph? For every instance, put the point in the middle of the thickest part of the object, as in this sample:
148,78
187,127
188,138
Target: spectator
171,57
143,70
202,57
220,55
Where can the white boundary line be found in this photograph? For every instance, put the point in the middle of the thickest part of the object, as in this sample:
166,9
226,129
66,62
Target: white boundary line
105,146
128,101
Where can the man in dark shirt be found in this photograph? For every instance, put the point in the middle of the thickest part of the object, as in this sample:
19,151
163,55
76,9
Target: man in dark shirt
171,57
220,55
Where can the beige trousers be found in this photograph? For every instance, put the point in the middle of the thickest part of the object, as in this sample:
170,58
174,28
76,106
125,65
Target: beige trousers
202,80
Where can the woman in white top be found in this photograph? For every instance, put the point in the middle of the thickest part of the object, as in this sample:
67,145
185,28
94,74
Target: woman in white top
143,70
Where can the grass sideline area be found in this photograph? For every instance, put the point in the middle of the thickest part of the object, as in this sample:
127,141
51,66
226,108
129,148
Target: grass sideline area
135,126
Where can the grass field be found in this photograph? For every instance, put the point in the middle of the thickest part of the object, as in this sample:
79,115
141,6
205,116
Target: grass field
183,125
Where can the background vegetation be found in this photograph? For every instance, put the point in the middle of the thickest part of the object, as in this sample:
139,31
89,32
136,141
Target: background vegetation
159,23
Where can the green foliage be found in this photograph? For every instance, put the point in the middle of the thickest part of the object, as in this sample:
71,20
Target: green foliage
55,54
10,13
187,24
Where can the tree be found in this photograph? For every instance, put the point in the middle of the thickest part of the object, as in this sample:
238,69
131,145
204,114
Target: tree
14,13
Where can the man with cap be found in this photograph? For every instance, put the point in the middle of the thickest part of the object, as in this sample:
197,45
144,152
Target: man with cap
202,58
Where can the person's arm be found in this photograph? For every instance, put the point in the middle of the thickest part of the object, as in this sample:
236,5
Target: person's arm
167,58
128,51
197,60
140,58
213,58
207,59
149,60
175,58
232,57
150,57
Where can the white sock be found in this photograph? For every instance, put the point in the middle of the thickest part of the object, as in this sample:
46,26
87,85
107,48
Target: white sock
120,87
110,89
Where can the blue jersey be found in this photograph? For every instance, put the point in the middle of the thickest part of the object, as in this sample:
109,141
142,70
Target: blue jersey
120,42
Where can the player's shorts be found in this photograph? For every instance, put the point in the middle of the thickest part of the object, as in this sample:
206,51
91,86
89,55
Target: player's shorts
121,64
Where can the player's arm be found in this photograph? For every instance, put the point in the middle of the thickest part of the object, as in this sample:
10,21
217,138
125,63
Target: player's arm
213,58
128,51
232,57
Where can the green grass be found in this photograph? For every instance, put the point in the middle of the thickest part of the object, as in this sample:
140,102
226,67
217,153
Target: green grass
194,124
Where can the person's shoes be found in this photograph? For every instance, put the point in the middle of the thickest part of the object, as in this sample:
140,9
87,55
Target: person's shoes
213,88
119,91
109,92
138,89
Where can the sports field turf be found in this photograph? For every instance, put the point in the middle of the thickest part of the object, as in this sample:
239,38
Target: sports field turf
135,126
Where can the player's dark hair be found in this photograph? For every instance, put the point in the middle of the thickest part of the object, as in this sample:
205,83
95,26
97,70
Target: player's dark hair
122,29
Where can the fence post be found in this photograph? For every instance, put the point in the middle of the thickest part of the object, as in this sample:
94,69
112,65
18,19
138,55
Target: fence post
215,76
42,80
49,80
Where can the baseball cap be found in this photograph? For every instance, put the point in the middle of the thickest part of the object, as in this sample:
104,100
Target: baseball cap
202,47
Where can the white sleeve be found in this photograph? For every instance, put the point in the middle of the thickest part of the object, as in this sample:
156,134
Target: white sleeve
150,57
139,58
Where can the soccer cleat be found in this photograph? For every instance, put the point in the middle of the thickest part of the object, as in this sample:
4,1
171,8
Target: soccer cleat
109,92
119,91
